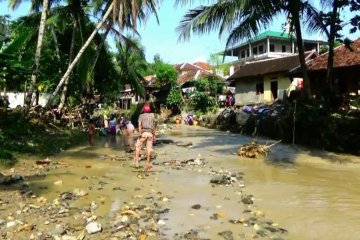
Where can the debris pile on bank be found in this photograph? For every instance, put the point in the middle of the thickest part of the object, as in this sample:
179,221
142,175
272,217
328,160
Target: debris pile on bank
255,150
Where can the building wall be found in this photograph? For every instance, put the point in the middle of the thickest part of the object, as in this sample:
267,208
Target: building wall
245,92
266,52
283,83
17,98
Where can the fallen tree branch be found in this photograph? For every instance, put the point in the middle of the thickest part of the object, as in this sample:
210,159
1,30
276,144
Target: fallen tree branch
254,150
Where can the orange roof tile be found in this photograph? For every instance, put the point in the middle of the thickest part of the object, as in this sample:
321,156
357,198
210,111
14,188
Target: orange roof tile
343,57
203,65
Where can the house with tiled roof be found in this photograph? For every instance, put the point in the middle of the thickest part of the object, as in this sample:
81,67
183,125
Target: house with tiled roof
192,71
128,95
264,81
260,72
346,69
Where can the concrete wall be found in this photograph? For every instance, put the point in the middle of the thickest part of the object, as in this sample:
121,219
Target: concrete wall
283,83
245,92
266,52
17,98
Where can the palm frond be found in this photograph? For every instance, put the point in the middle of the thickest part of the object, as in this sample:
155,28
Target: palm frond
14,4
225,15
313,20
20,41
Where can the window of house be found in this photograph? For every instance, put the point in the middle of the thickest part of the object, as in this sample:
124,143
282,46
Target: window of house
254,50
259,88
247,52
272,48
283,48
243,54
261,49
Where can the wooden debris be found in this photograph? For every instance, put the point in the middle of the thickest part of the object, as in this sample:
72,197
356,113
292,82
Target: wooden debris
255,150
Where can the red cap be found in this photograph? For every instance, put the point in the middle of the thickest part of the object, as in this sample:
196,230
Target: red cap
147,108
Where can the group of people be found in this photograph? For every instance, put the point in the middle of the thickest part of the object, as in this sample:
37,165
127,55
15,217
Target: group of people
146,130
227,100
191,119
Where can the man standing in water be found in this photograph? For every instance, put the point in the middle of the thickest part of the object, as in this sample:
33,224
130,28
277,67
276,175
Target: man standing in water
146,134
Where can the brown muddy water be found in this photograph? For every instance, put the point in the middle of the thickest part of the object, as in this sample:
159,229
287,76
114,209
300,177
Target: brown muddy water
312,194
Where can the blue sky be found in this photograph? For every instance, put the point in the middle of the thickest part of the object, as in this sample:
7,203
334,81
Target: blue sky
163,39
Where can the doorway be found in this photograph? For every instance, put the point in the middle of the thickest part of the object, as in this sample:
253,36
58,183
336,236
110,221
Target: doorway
274,89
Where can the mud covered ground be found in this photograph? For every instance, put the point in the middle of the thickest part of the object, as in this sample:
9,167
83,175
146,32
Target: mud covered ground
96,193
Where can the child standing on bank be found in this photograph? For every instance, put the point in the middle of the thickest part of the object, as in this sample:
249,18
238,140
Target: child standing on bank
91,132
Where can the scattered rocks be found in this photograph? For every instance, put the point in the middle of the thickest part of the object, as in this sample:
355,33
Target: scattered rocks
60,182
227,235
79,193
196,206
163,141
11,179
182,144
13,223
226,178
93,227
2,222
140,213
113,158
58,230
248,199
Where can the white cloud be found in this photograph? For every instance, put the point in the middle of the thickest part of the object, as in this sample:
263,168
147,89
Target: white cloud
200,59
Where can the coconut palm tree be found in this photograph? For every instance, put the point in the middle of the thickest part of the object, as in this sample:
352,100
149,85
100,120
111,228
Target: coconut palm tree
130,60
77,14
126,14
244,19
34,75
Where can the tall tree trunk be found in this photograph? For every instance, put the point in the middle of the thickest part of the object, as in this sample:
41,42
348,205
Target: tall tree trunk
300,45
57,50
71,57
97,54
99,47
35,72
331,41
76,59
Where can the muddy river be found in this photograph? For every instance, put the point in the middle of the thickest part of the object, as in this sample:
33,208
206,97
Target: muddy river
312,194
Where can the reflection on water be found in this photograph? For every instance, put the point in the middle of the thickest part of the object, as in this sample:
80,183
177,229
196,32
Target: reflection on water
312,194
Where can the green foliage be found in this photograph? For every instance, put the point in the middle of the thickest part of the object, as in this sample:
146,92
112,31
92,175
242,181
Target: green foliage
202,102
325,48
131,64
216,60
15,64
7,159
17,57
211,84
165,73
216,85
202,85
174,98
